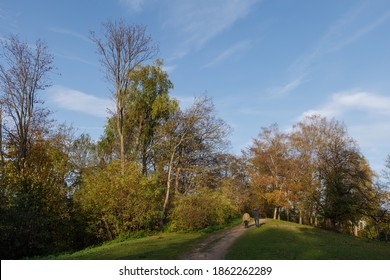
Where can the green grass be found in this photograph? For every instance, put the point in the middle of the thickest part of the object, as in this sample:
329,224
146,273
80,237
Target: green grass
164,246
278,240
275,240
161,246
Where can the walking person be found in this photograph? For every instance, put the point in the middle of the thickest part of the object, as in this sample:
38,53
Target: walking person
256,216
245,219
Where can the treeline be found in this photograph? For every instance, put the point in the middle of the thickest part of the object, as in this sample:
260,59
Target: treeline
158,166
316,175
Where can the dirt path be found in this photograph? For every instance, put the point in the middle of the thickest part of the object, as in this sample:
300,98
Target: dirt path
215,247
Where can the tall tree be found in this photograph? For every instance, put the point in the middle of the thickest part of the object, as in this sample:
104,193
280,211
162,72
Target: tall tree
268,159
305,141
190,144
147,108
122,49
23,73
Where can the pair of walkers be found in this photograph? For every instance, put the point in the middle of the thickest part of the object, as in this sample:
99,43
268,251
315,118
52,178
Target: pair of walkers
246,218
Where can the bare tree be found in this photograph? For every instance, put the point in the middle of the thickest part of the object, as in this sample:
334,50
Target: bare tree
122,49
191,141
23,73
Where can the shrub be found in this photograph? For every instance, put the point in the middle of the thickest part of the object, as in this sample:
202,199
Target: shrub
119,204
200,209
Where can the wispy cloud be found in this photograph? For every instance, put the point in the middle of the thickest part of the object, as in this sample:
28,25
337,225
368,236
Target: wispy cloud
366,115
185,101
342,103
70,33
352,26
236,49
133,5
8,18
169,68
197,22
78,101
285,89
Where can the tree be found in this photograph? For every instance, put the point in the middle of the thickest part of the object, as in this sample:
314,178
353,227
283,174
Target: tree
189,145
147,108
118,204
23,73
35,214
386,172
268,158
122,49
305,141
337,180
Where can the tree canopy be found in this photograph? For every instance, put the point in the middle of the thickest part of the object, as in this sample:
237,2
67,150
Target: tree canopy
159,166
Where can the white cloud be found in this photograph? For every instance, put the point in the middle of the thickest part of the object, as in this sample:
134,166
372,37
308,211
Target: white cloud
197,22
341,103
133,5
78,101
349,28
184,101
285,89
373,139
169,68
233,50
366,115
9,19
70,33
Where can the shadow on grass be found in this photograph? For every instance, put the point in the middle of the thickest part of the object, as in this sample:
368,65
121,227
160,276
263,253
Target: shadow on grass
159,247
289,241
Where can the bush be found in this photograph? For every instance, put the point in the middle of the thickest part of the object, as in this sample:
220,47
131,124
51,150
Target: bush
119,204
200,209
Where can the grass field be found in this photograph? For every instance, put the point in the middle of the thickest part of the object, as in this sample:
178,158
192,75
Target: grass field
278,240
275,240
164,246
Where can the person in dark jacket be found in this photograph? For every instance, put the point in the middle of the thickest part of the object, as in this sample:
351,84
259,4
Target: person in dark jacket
256,216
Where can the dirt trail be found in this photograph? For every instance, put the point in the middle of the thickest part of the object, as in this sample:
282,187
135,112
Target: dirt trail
215,247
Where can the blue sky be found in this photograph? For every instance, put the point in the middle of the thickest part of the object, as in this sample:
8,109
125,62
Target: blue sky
261,61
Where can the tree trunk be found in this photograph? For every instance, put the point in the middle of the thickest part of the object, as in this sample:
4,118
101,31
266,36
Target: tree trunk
177,179
122,140
119,123
108,229
300,217
165,206
275,212
1,138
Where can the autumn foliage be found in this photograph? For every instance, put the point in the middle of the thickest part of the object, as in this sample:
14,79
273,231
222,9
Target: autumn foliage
158,166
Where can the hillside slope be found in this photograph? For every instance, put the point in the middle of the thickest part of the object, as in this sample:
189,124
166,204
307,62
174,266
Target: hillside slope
278,240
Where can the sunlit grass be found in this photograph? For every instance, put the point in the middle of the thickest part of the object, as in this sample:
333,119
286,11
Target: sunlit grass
277,240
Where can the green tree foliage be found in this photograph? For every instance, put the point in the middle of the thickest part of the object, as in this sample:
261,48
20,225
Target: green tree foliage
147,106
122,49
200,209
34,209
117,204
379,224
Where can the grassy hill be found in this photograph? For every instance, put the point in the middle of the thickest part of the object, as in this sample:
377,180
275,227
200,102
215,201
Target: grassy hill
279,240
164,246
275,240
